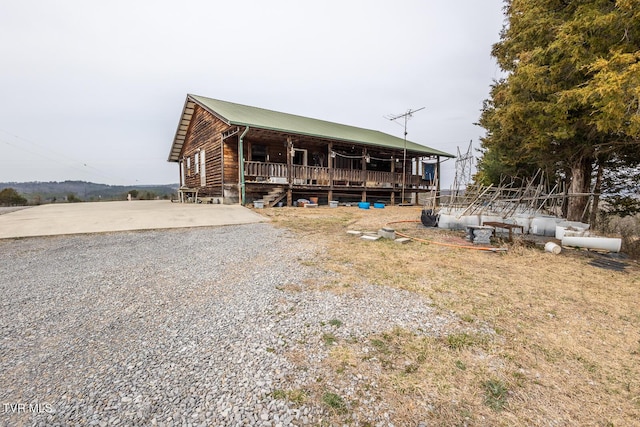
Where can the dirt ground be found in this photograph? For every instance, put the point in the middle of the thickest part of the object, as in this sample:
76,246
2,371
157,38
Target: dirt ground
555,338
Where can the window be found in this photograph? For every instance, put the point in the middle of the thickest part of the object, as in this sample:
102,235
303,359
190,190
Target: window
258,153
197,162
188,166
203,170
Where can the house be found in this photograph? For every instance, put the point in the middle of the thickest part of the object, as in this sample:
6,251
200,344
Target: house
232,153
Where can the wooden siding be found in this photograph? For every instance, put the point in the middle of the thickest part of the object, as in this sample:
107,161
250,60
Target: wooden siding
204,134
231,160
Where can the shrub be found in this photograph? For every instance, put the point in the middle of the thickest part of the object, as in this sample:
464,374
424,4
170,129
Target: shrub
72,198
10,197
628,228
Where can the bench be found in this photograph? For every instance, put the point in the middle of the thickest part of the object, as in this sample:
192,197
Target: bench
189,193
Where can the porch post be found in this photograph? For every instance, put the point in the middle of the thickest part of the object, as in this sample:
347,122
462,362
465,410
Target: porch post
330,164
222,167
364,174
437,178
393,181
414,194
241,166
289,174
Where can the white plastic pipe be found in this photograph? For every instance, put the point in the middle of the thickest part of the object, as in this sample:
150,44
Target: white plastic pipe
606,243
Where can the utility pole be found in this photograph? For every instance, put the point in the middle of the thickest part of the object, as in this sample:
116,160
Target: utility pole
406,116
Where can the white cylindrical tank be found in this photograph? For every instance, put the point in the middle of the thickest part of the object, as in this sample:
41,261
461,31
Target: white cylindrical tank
450,221
444,220
470,220
544,225
489,217
525,221
606,243
572,228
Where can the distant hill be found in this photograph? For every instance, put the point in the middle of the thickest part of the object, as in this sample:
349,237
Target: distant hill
47,192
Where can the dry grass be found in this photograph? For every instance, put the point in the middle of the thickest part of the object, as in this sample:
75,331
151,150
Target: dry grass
566,347
628,228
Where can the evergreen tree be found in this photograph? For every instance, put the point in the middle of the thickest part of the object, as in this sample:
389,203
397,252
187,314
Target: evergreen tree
570,101
10,197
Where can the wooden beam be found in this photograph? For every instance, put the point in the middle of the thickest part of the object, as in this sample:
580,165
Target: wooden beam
222,166
289,161
330,162
230,132
437,201
289,173
364,174
393,181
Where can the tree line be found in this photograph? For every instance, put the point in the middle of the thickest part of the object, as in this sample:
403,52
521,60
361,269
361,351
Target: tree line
77,191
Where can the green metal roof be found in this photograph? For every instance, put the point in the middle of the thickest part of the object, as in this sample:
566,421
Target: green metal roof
244,115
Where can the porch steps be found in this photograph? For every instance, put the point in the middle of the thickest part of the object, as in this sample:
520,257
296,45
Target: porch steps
274,196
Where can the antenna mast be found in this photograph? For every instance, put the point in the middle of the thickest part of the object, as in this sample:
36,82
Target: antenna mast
406,116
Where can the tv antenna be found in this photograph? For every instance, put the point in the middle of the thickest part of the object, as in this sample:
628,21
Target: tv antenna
406,116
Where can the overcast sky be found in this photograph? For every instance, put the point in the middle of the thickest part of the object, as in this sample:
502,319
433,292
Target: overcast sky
93,90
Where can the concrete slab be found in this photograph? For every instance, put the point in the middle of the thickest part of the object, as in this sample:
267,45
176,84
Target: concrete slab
402,240
103,217
372,238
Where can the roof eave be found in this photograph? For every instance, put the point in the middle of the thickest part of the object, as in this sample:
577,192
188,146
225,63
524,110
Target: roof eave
192,100
427,150
183,126
181,131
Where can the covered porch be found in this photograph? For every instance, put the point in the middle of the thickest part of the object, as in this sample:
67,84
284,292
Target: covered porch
317,176
347,174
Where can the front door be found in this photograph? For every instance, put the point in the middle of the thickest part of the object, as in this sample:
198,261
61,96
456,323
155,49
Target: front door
300,156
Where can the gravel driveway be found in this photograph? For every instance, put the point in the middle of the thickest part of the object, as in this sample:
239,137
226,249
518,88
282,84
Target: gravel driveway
177,327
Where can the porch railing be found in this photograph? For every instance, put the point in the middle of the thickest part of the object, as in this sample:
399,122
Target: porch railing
347,176
265,170
309,175
321,176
